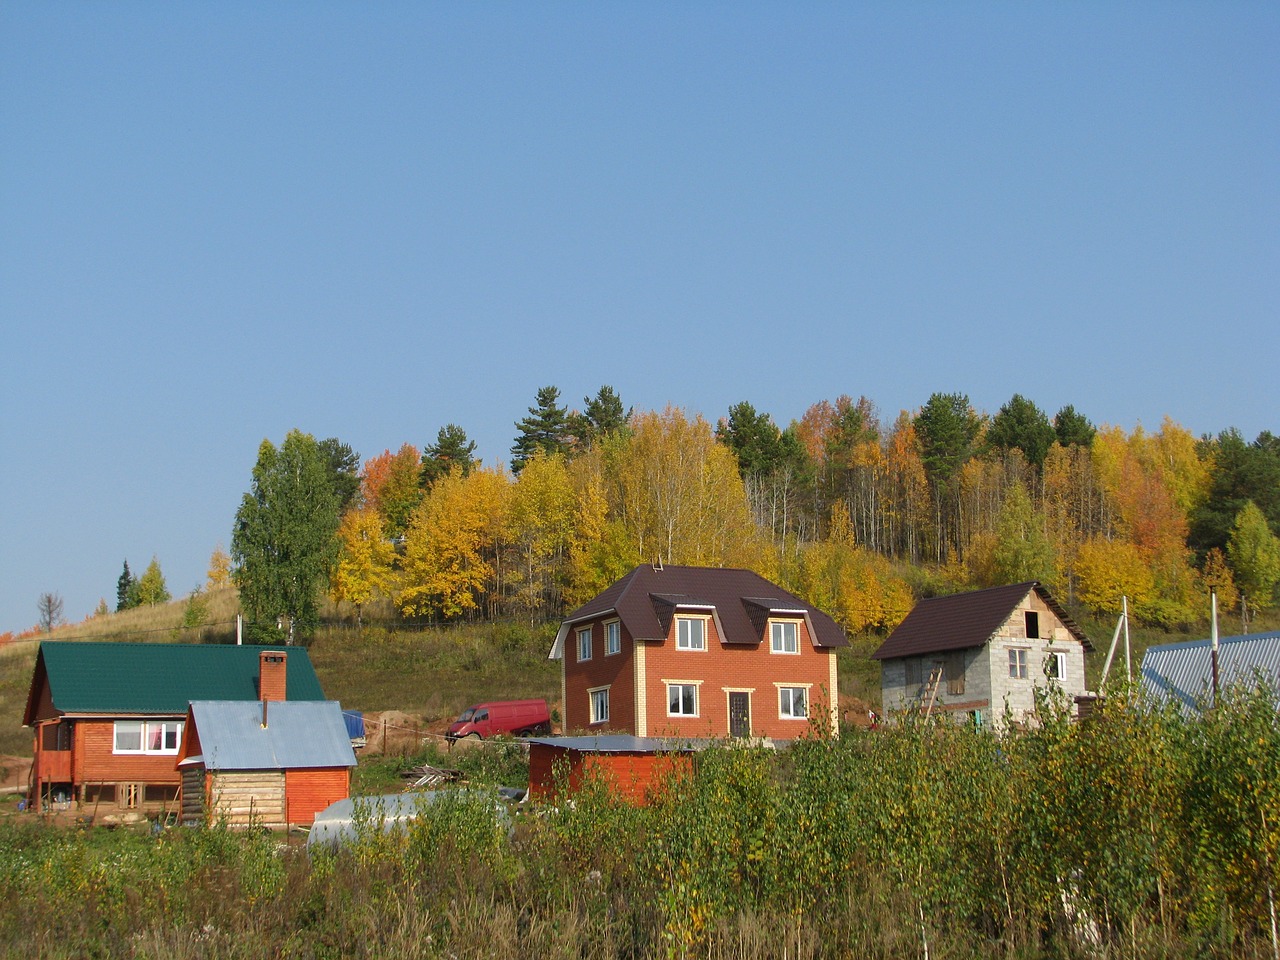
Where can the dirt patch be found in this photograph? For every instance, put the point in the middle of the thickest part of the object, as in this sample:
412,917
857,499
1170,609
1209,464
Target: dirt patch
856,712
397,732
14,772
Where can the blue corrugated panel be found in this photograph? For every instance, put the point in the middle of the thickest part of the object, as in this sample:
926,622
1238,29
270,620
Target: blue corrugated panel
296,735
1184,671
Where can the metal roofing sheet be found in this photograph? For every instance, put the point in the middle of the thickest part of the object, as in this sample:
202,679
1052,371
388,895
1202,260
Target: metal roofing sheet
162,678
297,734
1184,671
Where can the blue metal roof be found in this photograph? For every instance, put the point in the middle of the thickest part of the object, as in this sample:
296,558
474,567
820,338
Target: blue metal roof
1184,671
298,734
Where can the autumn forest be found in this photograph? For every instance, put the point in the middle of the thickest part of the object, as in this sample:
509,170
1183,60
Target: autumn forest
860,513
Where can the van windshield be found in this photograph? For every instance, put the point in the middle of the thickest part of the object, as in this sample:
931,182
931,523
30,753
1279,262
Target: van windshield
467,714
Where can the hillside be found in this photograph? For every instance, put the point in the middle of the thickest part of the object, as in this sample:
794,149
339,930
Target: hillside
429,674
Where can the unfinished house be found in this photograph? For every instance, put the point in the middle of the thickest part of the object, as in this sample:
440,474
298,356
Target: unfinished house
975,655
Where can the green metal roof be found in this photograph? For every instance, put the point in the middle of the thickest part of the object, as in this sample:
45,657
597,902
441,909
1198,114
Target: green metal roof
160,677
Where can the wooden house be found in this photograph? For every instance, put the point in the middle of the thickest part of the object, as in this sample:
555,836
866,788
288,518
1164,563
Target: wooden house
273,763
108,718
972,655
696,652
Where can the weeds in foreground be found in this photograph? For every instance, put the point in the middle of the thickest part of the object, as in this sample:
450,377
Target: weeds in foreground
1140,834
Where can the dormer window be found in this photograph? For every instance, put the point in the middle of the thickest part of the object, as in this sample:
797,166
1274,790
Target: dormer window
691,633
784,636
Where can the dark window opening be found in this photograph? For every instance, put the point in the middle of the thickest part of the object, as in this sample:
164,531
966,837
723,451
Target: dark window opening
1033,625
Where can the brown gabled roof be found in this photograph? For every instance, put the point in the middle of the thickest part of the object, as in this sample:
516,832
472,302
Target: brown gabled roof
966,620
647,598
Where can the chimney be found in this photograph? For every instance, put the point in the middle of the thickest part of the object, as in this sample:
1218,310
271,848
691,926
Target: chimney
271,675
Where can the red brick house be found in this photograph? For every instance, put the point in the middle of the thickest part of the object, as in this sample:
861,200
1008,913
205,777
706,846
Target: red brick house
108,718
697,652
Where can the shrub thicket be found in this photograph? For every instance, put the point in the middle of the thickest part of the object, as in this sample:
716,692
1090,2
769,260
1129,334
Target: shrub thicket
1142,832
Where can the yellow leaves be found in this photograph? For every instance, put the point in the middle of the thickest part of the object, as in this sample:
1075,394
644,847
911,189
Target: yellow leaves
364,570
451,535
857,587
1107,570
219,574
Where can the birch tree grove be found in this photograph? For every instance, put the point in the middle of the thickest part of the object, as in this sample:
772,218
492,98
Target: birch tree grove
839,502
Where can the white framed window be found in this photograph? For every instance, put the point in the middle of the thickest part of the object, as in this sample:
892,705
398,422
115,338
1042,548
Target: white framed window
691,633
784,636
1017,664
1055,665
599,704
793,703
682,699
612,637
584,644
160,737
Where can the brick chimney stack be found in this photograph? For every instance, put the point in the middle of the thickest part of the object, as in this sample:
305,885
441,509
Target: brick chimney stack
271,675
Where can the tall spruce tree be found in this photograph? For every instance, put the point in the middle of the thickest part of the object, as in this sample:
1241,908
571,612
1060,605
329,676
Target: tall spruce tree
285,541
1073,428
947,429
601,416
344,467
1022,425
126,590
753,437
451,449
546,428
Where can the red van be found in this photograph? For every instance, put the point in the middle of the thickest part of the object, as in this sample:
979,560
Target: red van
520,718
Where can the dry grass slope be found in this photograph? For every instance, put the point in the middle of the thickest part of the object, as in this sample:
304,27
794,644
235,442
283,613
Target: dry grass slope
429,673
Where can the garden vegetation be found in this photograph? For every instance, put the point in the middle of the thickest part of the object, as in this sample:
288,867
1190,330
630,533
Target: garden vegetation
1140,832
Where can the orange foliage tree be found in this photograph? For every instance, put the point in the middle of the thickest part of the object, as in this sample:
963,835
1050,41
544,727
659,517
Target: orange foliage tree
389,483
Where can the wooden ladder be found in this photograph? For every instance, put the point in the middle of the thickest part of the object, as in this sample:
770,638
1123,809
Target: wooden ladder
931,691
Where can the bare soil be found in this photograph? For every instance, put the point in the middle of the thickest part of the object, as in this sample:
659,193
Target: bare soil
14,772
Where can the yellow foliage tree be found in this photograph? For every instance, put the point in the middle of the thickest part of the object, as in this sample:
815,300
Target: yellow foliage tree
1108,570
1217,578
857,587
366,560
219,574
599,551
679,497
906,500
451,544
540,517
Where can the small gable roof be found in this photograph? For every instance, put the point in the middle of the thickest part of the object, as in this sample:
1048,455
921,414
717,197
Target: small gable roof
965,620
648,597
298,735
156,678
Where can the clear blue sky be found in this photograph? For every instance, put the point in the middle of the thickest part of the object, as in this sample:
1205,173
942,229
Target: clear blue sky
222,221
